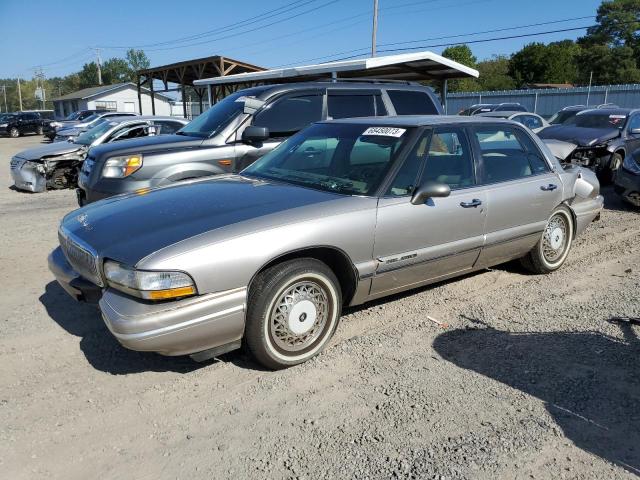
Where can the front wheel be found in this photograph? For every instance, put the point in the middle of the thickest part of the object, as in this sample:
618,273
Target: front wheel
553,247
292,312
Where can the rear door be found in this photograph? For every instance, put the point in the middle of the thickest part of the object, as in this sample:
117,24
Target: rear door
416,244
284,117
521,190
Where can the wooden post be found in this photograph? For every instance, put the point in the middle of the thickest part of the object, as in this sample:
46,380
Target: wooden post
139,95
153,99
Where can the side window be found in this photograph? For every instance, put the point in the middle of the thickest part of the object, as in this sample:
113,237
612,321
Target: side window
287,116
381,110
634,122
345,105
446,157
129,133
529,121
407,102
168,128
507,155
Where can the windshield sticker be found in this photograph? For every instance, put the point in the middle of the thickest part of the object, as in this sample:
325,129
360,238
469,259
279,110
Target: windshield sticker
617,116
385,131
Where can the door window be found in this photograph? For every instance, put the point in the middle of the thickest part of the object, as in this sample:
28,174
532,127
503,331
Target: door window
407,102
507,155
446,157
634,122
346,105
289,115
168,127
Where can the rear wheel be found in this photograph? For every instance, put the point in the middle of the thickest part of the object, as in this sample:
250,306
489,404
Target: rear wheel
14,132
293,311
553,247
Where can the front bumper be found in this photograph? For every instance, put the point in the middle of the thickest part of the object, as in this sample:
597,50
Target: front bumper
179,327
627,185
27,176
80,289
109,187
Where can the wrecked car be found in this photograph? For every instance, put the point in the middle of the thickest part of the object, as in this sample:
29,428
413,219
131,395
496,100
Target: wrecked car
56,165
50,128
602,138
72,129
344,212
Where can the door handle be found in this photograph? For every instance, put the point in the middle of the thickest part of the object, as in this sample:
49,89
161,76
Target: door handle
472,204
548,188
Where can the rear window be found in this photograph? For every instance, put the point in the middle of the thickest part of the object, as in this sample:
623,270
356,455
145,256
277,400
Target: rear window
407,102
346,106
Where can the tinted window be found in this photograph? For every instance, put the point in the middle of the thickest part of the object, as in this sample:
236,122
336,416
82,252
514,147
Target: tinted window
507,156
167,127
510,107
345,106
634,122
412,103
289,115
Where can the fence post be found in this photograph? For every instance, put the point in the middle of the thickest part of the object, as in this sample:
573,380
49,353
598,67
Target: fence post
535,104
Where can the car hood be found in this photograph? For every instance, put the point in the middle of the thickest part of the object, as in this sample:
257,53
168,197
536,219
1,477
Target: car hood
68,131
49,150
145,144
130,227
581,136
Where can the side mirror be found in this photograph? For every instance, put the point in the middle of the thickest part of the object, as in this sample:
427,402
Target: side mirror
255,134
635,131
430,190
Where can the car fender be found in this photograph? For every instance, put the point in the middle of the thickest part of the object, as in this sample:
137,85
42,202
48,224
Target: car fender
184,171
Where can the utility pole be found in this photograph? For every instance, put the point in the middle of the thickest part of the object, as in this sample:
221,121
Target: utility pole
4,91
99,66
589,90
374,31
19,96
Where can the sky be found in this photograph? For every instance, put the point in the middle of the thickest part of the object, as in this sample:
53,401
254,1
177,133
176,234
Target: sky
59,35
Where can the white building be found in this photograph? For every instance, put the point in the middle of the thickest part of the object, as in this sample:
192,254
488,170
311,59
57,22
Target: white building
121,97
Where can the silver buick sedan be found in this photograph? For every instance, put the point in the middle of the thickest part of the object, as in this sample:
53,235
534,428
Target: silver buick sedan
342,213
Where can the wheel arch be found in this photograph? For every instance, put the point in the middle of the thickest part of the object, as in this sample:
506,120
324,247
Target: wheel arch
335,258
574,217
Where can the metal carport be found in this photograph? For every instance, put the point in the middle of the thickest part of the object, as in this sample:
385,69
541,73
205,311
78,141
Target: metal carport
418,66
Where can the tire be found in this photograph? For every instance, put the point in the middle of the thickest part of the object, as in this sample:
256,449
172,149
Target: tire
39,131
552,249
14,132
293,311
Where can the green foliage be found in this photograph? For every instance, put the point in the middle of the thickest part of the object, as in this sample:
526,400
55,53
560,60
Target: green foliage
137,60
494,74
462,54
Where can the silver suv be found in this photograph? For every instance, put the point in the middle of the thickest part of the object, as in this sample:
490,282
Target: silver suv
240,129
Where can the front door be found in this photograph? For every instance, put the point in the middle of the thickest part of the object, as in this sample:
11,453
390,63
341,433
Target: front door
417,244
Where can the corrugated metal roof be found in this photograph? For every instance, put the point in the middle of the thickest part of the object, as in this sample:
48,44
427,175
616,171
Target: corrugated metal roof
94,91
407,66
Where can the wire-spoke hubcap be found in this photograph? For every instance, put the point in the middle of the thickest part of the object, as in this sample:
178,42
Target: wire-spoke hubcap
555,238
299,316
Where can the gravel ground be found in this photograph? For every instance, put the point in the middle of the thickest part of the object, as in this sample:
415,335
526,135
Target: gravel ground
531,378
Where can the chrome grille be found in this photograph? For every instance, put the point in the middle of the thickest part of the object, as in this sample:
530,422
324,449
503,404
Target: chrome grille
80,258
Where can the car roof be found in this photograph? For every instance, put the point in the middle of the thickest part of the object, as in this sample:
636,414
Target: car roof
505,113
344,85
609,111
137,118
419,120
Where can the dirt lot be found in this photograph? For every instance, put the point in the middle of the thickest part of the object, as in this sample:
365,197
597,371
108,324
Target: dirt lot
530,379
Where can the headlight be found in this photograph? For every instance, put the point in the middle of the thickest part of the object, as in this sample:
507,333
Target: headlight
147,284
55,124
119,167
4,124
631,164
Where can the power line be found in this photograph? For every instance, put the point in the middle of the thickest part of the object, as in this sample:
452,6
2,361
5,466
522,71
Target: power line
232,26
62,60
364,49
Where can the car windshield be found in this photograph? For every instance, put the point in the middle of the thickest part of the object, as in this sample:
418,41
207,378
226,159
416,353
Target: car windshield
72,116
4,117
88,137
563,116
351,159
219,115
91,118
601,120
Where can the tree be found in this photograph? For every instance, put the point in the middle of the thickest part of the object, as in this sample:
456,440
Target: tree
494,74
115,70
137,60
608,65
540,63
462,54
618,24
